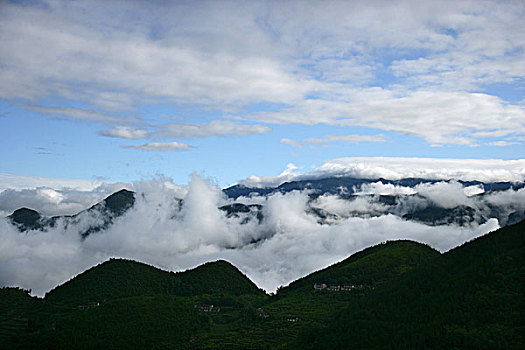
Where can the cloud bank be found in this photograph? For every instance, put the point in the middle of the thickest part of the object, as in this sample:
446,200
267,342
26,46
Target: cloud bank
288,243
395,168
18,182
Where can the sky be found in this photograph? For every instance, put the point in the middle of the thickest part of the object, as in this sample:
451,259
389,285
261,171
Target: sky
98,92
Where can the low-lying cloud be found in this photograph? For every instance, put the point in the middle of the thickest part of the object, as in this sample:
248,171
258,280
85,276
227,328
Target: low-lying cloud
396,168
288,243
55,201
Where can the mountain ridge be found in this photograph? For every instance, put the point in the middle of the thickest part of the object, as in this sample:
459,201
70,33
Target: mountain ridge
111,207
344,188
116,278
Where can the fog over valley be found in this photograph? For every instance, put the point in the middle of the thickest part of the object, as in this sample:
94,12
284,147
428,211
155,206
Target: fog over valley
274,238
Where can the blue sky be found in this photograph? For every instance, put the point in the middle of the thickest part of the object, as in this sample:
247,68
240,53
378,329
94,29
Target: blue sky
121,91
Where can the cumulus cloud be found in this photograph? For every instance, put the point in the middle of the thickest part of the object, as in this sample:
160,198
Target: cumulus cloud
445,194
161,146
287,244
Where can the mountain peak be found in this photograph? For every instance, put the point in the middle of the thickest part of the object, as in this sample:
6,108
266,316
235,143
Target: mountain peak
26,218
118,202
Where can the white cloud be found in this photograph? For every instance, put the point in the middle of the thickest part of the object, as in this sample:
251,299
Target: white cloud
395,168
445,194
502,143
84,114
181,131
438,117
126,132
291,143
335,138
428,168
213,128
327,65
346,138
55,201
161,146
187,63
385,189
473,190
288,174
344,208
19,182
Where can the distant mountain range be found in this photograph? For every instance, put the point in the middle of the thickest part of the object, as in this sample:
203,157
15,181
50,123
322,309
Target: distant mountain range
348,185
396,295
414,206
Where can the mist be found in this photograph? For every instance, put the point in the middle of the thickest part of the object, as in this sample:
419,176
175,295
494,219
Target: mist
179,227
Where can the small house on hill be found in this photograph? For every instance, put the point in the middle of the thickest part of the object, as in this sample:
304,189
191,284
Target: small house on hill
333,288
347,287
208,308
319,286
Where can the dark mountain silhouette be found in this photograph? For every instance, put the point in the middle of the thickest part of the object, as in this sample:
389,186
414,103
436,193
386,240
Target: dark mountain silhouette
348,185
26,219
119,278
110,208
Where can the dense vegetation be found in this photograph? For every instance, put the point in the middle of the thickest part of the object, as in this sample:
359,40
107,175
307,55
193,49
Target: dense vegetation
368,268
397,295
470,298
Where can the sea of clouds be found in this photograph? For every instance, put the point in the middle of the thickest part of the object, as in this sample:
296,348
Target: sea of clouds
290,242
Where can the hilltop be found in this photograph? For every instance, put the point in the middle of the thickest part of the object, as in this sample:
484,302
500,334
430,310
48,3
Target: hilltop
368,268
120,278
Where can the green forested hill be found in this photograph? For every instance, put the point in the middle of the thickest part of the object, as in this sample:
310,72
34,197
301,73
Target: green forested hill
125,304
219,277
119,278
405,296
369,267
113,279
470,298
